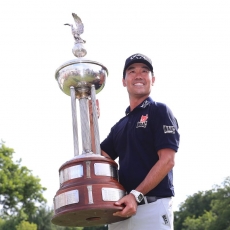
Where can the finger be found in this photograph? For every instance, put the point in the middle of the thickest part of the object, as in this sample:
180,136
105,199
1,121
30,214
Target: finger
117,203
125,215
98,108
117,214
121,201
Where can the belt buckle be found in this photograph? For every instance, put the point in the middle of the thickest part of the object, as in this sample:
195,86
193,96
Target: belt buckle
144,201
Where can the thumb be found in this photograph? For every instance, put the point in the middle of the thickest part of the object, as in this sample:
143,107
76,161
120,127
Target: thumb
119,202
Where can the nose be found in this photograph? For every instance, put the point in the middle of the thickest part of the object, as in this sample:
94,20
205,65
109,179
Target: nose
138,75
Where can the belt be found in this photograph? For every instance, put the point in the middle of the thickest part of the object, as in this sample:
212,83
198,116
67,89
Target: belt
149,199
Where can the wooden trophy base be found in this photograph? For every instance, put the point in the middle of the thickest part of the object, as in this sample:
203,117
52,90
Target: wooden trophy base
88,190
91,215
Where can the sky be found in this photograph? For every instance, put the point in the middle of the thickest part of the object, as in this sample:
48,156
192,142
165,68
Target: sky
189,44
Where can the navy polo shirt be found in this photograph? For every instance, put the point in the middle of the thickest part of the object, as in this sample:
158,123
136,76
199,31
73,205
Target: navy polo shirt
136,138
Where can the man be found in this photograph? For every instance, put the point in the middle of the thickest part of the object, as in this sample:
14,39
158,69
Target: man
145,140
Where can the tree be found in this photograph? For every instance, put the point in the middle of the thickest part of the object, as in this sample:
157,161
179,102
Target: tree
20,191
203,222
10,222
194,206
42,218
221,206
208,210
22,205
24,225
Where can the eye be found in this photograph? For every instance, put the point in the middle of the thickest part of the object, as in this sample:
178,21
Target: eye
145,71
131,71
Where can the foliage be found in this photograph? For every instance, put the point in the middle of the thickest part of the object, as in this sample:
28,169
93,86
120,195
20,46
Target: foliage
68,228
193,207
42,218
208,210
24,225
22,205
203,222
10,223
19,189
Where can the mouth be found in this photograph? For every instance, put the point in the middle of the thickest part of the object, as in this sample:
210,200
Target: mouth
138,83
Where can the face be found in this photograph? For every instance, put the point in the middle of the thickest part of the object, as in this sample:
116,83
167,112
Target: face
138,80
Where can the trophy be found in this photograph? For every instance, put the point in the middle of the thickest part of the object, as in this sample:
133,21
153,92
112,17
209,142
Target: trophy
88,182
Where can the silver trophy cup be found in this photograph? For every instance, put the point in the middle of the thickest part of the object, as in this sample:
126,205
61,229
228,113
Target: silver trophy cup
89,182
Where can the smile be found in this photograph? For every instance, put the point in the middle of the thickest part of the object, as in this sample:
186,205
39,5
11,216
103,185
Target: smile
138,84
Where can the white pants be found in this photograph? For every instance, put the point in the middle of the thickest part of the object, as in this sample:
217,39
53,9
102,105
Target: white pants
153,216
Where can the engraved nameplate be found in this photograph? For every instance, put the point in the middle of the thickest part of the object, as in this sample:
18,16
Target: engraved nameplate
88,173
71,173
66,198
112,194
101,169
90,194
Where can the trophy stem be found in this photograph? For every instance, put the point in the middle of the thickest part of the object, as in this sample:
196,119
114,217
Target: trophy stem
85,128
74,121
95,121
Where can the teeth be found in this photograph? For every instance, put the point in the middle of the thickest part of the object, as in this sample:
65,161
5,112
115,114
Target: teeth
138,84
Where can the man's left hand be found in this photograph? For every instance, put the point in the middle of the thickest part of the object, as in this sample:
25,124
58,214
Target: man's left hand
130,204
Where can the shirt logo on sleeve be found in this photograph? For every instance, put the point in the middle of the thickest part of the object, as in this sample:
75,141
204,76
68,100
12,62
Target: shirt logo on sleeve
169,129
143,121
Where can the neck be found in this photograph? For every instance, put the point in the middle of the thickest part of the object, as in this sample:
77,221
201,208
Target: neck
134,102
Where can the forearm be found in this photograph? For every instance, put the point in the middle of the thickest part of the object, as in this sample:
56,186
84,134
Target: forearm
105,154
158,172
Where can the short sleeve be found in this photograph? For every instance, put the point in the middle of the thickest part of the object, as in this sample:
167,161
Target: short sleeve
165,128
107,145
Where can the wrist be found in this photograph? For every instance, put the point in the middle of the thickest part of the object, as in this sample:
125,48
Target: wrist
138,195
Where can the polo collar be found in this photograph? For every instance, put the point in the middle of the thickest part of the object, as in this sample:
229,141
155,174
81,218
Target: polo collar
142,105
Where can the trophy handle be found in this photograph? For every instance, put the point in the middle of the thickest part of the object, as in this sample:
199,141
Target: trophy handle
74,121
95,121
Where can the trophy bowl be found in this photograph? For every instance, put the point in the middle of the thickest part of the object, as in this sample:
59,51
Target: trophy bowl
81,74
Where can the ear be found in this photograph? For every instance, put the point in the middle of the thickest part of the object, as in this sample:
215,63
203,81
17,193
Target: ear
123,82
153,80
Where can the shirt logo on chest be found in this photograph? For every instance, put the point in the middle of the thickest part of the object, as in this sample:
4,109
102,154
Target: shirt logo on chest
143,121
